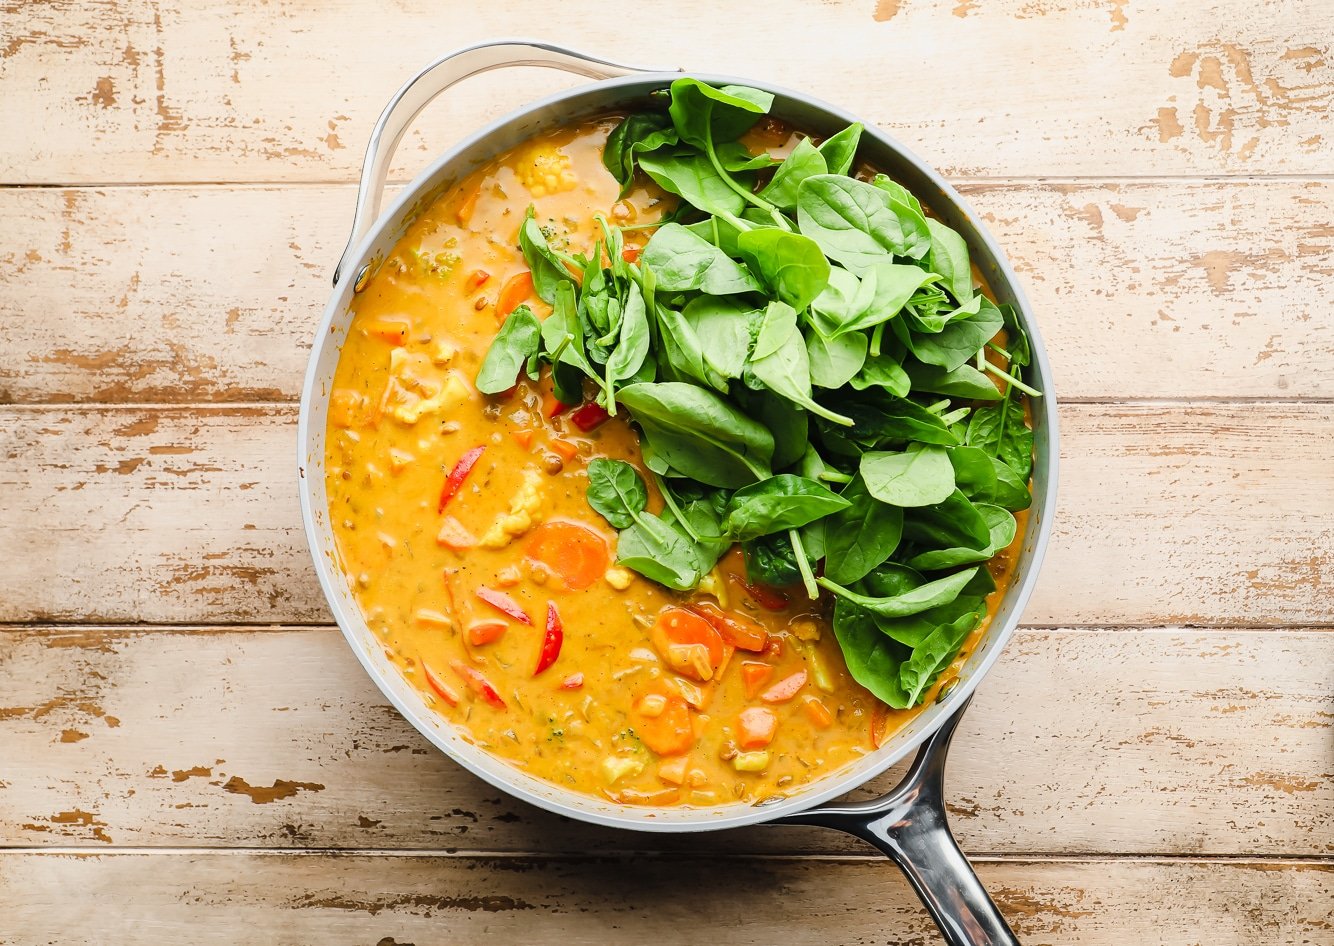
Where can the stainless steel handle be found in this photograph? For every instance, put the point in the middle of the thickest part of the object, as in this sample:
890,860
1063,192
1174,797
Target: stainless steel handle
909,825
418,91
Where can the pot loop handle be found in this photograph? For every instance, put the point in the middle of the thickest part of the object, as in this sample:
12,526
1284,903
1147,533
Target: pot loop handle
418,91
910,826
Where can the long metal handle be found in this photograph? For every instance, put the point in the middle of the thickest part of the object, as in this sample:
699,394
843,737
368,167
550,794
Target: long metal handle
909,825
418,91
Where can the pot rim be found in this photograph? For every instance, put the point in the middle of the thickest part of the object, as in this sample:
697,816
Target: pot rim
507,777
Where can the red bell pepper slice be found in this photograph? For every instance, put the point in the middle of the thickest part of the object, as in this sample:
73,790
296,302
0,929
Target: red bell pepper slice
477,683
504,604
457,475
589,417
443,690
551,641
768,598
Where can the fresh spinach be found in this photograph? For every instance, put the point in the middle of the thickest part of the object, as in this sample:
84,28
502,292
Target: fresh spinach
920,476
616,492
779,361
514,349
548,269
858,224
840,149
782,502
791,265
682,261
862,536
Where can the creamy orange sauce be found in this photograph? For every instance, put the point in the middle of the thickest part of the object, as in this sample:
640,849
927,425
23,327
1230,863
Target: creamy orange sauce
404,412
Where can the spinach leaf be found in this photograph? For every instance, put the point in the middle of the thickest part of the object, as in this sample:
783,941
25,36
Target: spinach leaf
974,473
840,150
632,345
915,629
913,601
860,537
547,267
842,301
1017,344
879,418
777,504
788,423
719,232
873,659
953,523
692,177
515,347
938,649
949,257
780,362
1002,431
703,114
858,224
698,434
563,335
640,132
836,361
964,381
1001,528
662,552
920,476
893,285
804,161
683,261
724,327
616,492
771,560
883,372
1011,492
959,341
683,352
790,264
899,194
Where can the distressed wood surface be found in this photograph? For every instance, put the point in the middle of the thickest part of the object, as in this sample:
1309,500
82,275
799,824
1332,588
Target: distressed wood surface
1142,290
206,897
1080,742
1213,514
282,91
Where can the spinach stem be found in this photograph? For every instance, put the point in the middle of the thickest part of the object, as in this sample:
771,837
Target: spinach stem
981,359
671,504
749,196
833,476
803,566
1000,351
999,372
955,416
939,406
877,334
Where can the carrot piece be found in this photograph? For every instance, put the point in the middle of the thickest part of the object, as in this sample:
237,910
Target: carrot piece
476,279
442,689
454,481
818,713
468,205
517,289
630,254
755,727
523,438
481,633
673,771
728,651
504,604
688,643
753,676
477,683
393,331
573,682
785,689
768,598
566,450
553,407
737,629
452,535
574,552
661,719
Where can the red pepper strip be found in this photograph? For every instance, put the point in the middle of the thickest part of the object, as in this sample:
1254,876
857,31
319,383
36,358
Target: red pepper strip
558,408
504,604
589,417
457,475
445,692
551,642
477,683
765,597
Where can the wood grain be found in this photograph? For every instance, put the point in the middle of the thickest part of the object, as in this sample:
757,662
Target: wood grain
1079,742
208,897
219,91
1220,514
1157,290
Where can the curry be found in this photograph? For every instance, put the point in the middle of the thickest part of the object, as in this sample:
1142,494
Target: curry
463,524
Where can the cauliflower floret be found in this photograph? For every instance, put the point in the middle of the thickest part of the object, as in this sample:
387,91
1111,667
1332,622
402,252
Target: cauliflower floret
525,512
619,578
545,169
416,388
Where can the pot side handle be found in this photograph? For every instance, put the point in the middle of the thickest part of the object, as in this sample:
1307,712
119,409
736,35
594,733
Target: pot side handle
910,826
418,91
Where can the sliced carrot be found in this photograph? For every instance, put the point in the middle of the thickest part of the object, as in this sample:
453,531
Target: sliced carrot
442,689
523,438
574,552
661,719
737,629
673,771
476,279
630,254
755,727
728,651
393,331
553,406
753,676
517,289
481,633
688,643
785,689
818,713
567,451
468,205
452,535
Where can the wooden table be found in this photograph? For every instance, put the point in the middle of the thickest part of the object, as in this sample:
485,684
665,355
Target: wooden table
190,754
